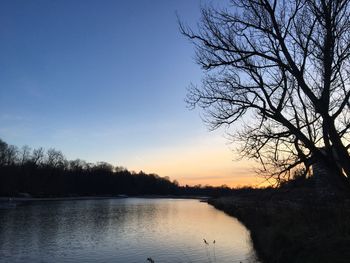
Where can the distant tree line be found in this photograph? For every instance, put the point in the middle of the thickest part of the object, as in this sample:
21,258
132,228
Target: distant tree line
41,173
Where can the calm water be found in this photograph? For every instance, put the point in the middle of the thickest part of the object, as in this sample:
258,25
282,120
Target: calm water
121,230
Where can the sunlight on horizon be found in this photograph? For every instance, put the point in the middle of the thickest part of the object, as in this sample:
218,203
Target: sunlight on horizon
206,161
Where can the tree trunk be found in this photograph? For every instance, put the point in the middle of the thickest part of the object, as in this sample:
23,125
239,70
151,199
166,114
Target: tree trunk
328,176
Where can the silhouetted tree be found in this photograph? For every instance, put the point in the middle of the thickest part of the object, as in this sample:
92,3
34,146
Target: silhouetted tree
77,165
55,159
280,70
3,149
24,155
11,156
37,157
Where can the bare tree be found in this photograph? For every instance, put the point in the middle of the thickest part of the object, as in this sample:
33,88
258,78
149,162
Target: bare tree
25,154
12,155
38,156
77,165
281,70
3,150
55,159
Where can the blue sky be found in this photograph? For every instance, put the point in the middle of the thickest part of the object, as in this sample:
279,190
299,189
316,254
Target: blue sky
106,81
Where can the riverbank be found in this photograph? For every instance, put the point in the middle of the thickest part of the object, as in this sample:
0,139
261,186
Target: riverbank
30,199
68,198
287,230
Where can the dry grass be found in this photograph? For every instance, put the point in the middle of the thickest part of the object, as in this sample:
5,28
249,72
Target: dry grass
290,231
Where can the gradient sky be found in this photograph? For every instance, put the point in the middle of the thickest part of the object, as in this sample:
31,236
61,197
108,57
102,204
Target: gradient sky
106,81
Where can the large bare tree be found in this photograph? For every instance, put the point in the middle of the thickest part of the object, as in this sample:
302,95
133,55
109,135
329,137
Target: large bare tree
280,70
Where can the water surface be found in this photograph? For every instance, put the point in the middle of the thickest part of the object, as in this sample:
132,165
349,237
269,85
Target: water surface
122,230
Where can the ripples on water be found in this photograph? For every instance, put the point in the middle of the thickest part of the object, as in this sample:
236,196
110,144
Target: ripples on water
121,230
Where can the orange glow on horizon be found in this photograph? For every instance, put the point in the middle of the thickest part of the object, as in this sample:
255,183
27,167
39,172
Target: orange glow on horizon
208,161
232,181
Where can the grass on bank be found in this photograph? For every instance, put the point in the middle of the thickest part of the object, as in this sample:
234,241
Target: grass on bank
293,225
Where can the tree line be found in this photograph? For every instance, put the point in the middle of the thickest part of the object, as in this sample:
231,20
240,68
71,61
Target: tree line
41,173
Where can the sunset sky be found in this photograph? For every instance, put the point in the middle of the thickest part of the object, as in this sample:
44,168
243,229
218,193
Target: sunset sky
106,81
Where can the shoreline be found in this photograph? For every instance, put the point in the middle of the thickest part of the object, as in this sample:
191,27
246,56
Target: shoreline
292,232
29,199
73,198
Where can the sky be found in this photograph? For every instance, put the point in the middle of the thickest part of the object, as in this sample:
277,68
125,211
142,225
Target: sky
106,81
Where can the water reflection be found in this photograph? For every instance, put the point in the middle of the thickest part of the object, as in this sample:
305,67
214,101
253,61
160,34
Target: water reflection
121,230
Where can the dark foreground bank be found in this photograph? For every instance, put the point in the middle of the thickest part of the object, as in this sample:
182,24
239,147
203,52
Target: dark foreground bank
285,229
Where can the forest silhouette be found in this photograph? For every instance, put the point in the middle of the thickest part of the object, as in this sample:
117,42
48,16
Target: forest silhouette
40,173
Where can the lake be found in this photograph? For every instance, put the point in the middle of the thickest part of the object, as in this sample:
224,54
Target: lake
122,230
